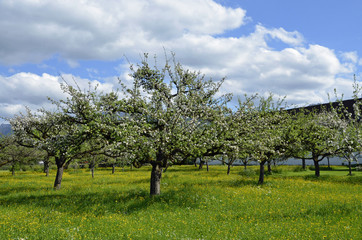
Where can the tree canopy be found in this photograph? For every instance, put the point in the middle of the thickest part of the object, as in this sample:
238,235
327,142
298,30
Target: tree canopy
170,114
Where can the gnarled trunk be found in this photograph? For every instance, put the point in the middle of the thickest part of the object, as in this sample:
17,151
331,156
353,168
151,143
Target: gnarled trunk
59,177
261,173
46,166
13,170
329,165
229,167
13,163
156,174
60,161
91,166
349,168
303,163
316,166
202,162
92,170
269,167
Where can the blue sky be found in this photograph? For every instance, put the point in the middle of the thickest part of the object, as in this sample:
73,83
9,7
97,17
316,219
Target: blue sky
299,49
332,23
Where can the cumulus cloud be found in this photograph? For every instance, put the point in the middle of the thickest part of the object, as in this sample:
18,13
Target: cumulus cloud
106,30
303,74
35,30
31,90
250,65
24,88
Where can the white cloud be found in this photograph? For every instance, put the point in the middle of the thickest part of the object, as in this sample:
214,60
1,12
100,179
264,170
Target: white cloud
24,88
292,38
350,56
250,65
31,90
106,30
36,30
12,109
27,90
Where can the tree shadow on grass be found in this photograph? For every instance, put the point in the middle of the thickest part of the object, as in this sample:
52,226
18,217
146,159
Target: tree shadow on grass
17,189
181,198
126,202
333,179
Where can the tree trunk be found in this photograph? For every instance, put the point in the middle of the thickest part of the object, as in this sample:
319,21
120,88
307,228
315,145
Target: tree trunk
113,168
245,163
261,173
303,163
316,166
58,177
122,163
46,167
229,167
201,164
269,168
207,165
92,165
156,174
13,170
350,168
61,163
329,165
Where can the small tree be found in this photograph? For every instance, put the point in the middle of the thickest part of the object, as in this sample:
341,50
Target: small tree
19,156
350,130
350,143
235,140
318,136
31,129
294,136
63,133
268,128
5,141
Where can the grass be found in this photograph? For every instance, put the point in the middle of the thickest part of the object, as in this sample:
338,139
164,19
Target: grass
193,205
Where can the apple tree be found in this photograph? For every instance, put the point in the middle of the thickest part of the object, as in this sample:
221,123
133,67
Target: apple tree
175,113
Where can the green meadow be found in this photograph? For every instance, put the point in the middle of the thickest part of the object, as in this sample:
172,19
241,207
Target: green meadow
193,204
